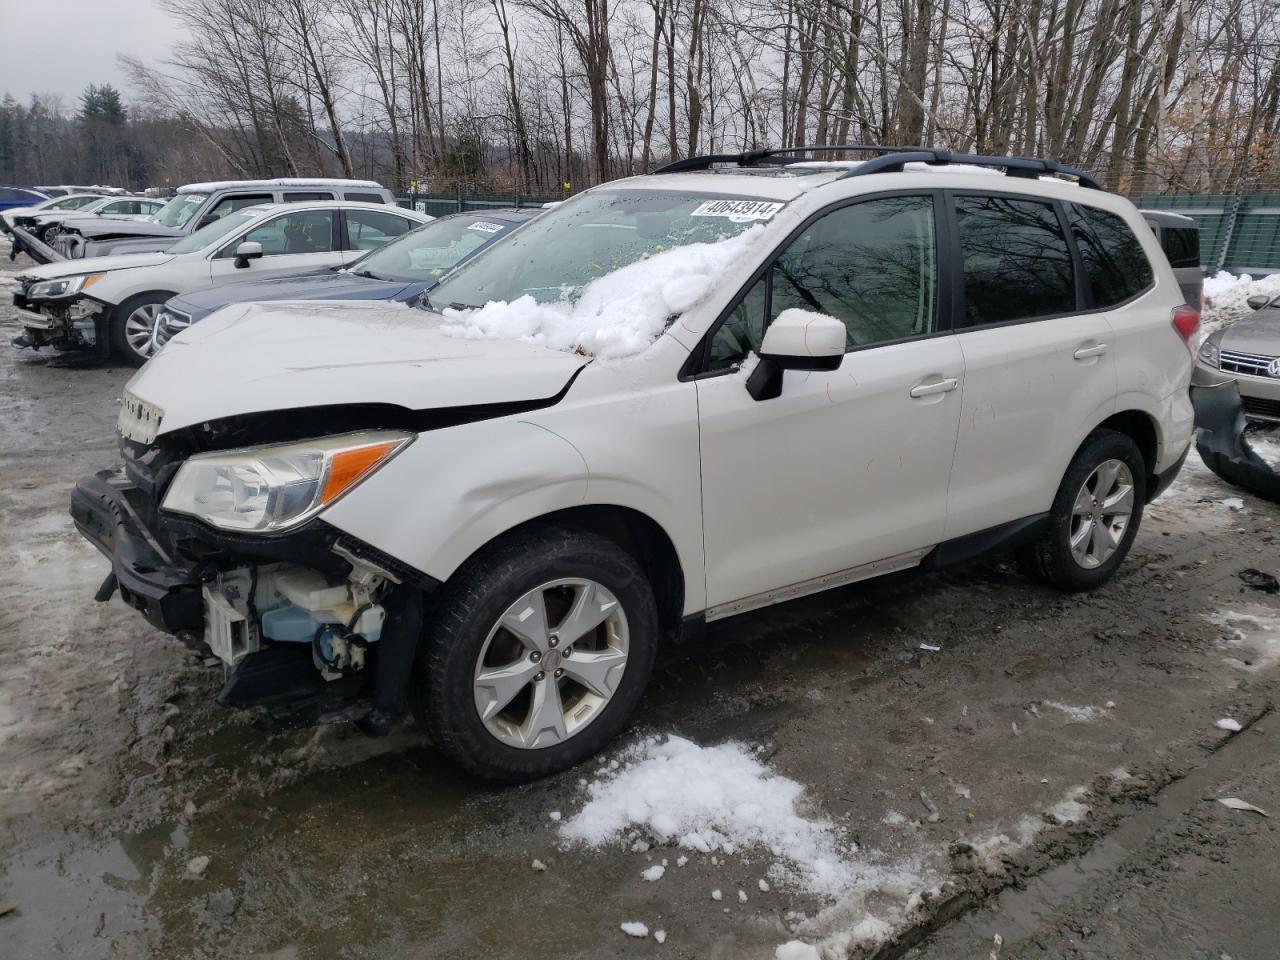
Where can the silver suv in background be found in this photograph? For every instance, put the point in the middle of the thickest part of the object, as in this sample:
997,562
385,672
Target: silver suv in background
197,205
1179,238
1247,351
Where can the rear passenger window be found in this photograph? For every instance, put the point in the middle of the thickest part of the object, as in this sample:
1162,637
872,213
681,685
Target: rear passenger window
301,196
1017,265
367,229
1114,263
366,197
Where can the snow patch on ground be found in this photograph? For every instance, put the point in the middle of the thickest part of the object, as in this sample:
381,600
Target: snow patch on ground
1226,296
709,799
1077,714
1252,636
722,799
1069,809
1266,444
1226,723
617,315
634,928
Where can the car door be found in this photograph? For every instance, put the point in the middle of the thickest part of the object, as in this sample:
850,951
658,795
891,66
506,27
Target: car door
844,475
292,242
1039,365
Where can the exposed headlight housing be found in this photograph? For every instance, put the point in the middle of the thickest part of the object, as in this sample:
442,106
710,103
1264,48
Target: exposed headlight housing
1209,353
272,488
62,287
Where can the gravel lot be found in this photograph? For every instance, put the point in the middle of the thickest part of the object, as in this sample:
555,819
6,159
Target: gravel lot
1047,775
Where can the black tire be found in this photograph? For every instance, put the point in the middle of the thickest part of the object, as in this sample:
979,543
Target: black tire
120,345
47,233
1050,558
466,608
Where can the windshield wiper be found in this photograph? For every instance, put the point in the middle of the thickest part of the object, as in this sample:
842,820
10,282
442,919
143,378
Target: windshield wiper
462,306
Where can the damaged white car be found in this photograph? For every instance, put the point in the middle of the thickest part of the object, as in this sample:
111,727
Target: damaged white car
111,305
670,400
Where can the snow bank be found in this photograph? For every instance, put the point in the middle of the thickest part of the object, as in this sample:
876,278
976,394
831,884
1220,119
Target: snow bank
618,314
713,799
1226,296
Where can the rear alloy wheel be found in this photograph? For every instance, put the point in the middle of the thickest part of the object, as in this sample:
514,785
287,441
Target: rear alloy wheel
133,327
1094,517
535,654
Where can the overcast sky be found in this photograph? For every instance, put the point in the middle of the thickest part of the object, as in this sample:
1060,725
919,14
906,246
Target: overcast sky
62,46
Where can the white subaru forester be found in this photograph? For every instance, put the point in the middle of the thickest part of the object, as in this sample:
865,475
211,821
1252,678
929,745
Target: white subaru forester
671,399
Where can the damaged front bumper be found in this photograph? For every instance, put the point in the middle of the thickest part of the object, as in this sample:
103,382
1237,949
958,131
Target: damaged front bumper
73,323
1222,441
301,643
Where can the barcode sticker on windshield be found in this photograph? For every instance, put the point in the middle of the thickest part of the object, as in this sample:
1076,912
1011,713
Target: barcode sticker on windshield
739,211
484,226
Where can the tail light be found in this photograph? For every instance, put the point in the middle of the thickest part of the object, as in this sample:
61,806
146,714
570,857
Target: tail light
1186,321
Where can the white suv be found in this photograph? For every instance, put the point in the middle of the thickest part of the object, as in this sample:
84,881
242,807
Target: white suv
672,399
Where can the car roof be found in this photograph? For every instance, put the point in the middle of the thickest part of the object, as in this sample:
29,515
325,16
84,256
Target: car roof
213,185
267,208
788,181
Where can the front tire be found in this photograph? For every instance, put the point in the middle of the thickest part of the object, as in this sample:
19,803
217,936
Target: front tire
1095,515
535,654
133,327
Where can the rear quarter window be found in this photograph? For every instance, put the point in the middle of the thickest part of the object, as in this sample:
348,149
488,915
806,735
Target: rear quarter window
1115,266
1181,246
366,197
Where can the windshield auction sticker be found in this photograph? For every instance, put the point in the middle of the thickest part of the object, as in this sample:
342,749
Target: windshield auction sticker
739,211
484,226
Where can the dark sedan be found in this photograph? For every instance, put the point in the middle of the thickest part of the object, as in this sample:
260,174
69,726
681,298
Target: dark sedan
402,270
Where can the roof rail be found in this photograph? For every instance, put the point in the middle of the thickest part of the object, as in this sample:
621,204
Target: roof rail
891,160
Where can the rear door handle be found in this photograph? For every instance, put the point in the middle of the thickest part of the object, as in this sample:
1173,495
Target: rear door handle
935,386
1088,353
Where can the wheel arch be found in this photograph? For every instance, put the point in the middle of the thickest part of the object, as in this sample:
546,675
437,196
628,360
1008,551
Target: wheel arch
631,530
1140,427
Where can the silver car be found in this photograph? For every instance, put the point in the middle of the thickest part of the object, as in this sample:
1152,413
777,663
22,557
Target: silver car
1248,352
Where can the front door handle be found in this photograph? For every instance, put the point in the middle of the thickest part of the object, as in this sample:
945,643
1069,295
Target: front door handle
934,386
1088,353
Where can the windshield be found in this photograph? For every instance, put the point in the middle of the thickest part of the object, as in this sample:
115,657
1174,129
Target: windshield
556,255
210,234
179,210
431,251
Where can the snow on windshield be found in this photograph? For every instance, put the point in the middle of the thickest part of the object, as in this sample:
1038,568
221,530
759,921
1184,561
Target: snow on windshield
616,315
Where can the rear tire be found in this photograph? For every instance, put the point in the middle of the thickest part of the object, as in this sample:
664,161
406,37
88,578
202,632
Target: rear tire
129,321
559,577
1094,517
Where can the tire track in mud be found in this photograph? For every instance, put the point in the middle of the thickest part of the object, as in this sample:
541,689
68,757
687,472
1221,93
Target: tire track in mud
1004,915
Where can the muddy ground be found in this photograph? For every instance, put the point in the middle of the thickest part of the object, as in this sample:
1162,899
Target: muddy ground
1048,775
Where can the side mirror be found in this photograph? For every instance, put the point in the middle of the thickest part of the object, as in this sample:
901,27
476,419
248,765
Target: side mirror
1258,301
249,250
796,340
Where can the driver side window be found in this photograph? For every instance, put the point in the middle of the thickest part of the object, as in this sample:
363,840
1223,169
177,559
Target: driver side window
872,265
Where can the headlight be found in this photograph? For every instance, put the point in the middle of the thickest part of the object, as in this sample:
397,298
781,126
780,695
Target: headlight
265,489
64,287
1209,353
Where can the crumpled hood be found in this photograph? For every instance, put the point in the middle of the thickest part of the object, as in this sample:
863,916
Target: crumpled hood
253,358
73,268
1258,333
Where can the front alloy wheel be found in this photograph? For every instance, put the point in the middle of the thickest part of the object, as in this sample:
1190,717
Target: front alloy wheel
551,663
134,325
535,652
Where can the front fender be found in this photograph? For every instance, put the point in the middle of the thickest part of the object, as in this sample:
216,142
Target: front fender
456,489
